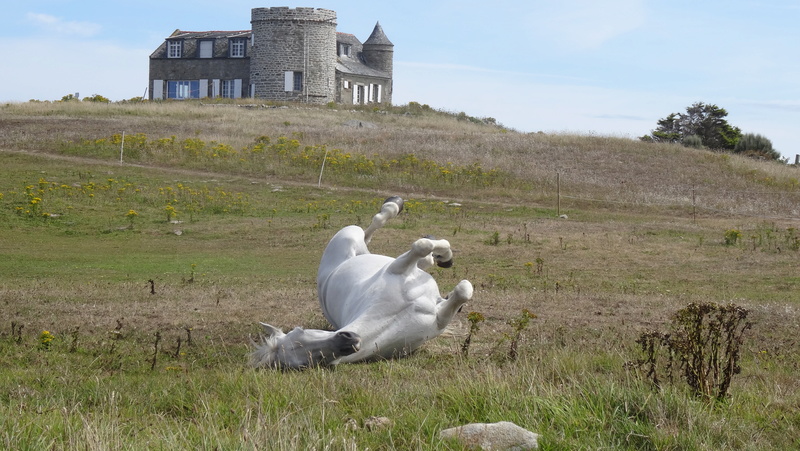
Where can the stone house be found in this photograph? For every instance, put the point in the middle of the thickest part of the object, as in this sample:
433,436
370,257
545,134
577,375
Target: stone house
288,55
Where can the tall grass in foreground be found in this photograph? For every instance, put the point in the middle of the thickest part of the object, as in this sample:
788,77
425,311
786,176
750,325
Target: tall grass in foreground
575,400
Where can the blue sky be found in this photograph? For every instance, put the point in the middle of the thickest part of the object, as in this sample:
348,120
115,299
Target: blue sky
608,68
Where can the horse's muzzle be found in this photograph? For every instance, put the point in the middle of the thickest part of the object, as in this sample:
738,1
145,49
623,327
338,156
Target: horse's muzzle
348,342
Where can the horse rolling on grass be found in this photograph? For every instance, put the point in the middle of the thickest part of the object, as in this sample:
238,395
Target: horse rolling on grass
381,307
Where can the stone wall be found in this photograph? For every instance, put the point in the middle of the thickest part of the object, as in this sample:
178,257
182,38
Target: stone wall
379,57
195,69
293,40
345,96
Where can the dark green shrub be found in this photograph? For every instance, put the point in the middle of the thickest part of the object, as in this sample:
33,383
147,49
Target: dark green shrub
756,146
693,141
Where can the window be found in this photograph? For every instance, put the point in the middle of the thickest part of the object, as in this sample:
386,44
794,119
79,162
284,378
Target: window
344,49
174,49
298,81
231,89
237,47
293,81
206,49
375,90
183,89
227,89
358,95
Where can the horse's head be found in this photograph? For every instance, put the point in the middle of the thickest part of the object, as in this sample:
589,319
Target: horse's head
301,348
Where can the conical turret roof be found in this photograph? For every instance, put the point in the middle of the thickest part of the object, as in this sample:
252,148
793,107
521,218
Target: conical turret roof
378,37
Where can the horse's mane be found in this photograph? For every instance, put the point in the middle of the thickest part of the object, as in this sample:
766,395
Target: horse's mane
263,356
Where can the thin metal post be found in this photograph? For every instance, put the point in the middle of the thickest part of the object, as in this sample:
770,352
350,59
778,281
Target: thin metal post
558,193
319,182
121,147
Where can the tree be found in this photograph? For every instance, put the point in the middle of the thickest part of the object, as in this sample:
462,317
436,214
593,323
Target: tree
702,120
668,129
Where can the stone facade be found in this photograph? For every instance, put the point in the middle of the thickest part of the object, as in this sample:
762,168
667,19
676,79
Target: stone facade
288,55
293,42
201,64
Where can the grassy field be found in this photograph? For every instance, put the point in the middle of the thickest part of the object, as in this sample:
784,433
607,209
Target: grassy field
129,290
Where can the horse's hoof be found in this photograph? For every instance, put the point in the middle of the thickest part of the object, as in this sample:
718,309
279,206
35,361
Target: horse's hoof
397,200
447,264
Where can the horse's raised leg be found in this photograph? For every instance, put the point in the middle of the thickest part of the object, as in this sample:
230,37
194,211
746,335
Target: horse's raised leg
441,255
422,254
446,309
390,209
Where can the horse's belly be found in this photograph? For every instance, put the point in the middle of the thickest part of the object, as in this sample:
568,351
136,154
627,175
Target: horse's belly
392,339
394,329
393,313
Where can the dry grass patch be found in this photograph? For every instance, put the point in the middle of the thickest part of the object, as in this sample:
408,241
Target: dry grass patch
606,172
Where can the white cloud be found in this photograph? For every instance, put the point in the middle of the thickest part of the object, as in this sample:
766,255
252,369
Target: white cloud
60,26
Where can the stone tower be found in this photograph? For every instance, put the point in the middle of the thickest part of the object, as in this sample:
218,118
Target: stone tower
293,54
378,51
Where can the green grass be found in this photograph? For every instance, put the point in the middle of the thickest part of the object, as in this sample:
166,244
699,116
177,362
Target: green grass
248,249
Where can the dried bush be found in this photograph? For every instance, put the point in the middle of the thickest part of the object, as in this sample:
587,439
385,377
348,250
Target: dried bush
703,346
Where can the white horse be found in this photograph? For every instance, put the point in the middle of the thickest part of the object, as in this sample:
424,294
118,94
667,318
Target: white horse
381,307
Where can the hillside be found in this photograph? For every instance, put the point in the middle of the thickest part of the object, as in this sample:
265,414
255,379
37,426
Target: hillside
603,171
129,291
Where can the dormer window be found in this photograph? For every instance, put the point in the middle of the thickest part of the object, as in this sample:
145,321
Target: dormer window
237,47
344,49
174,49
206,48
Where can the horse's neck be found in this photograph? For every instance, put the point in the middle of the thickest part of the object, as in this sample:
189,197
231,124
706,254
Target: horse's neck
346,244
341,292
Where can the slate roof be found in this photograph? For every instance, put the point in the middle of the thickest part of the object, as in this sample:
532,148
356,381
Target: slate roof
179,34
353,64
378,37
190,38
348,38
